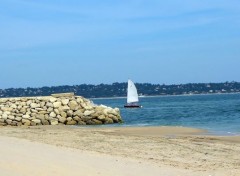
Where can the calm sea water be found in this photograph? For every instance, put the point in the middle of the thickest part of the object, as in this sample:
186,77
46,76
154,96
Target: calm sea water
220,114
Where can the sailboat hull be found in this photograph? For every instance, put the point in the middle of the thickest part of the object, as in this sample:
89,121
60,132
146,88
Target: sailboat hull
132,106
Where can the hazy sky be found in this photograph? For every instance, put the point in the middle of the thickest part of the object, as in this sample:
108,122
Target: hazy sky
71,42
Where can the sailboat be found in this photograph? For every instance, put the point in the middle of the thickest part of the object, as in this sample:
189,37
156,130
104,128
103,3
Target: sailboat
132,96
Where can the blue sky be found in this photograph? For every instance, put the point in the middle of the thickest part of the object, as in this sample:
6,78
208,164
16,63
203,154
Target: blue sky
71,42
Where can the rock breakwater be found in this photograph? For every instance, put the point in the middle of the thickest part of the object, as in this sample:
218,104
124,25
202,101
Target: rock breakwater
57,109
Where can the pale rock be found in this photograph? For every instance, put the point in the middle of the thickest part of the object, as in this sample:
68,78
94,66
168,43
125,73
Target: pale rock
108,120
42,112
103,106
37,101
13,123
46,116
23,103
3,100
69,118
64,108
57,104
50,109
79,100
25,121
40,116
69,113
32,123
11,117
65,101
18,114
9,121
78,113
35,105
88,107
19,123
106,111
86,118
18,118
39,109
19,107
7,109
52,114
45,122
56,111
90,122
48,104
23,110
33,116
96,114
101,117
54,122
73,105
37,121
63,114
115,119
62,119
112,111
81,123
42,104
2,124
14,106
117,110
87,112
29,102
71,94
76,118
27,124
52,99
5,116
72,122
34,110
26,116
97,122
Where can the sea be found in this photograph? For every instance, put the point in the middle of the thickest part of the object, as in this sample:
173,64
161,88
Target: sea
219,114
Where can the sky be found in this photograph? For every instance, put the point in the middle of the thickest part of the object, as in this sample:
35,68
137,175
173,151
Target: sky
72,42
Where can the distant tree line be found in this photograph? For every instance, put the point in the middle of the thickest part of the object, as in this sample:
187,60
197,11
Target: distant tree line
120,89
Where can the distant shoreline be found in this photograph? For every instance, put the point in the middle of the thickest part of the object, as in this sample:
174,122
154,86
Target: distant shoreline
119,90
149,96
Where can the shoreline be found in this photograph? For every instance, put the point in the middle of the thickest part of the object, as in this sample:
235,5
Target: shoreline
174,151
152,96
205,131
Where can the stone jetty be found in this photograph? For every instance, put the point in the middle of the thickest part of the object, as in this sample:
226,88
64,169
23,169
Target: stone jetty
57,109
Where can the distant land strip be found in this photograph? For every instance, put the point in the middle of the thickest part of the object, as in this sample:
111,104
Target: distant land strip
120,89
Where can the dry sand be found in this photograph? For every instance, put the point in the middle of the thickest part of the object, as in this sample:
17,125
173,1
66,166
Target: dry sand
69,150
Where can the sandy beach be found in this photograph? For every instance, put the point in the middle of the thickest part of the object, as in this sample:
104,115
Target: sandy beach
71,150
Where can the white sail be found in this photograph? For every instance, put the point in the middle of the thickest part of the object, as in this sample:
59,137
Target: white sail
132,95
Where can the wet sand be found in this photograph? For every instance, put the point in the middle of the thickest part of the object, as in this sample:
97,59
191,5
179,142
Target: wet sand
69,150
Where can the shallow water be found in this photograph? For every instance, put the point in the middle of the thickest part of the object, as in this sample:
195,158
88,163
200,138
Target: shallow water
220,114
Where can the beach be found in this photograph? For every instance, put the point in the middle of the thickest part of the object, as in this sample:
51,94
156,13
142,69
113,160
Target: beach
72,150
